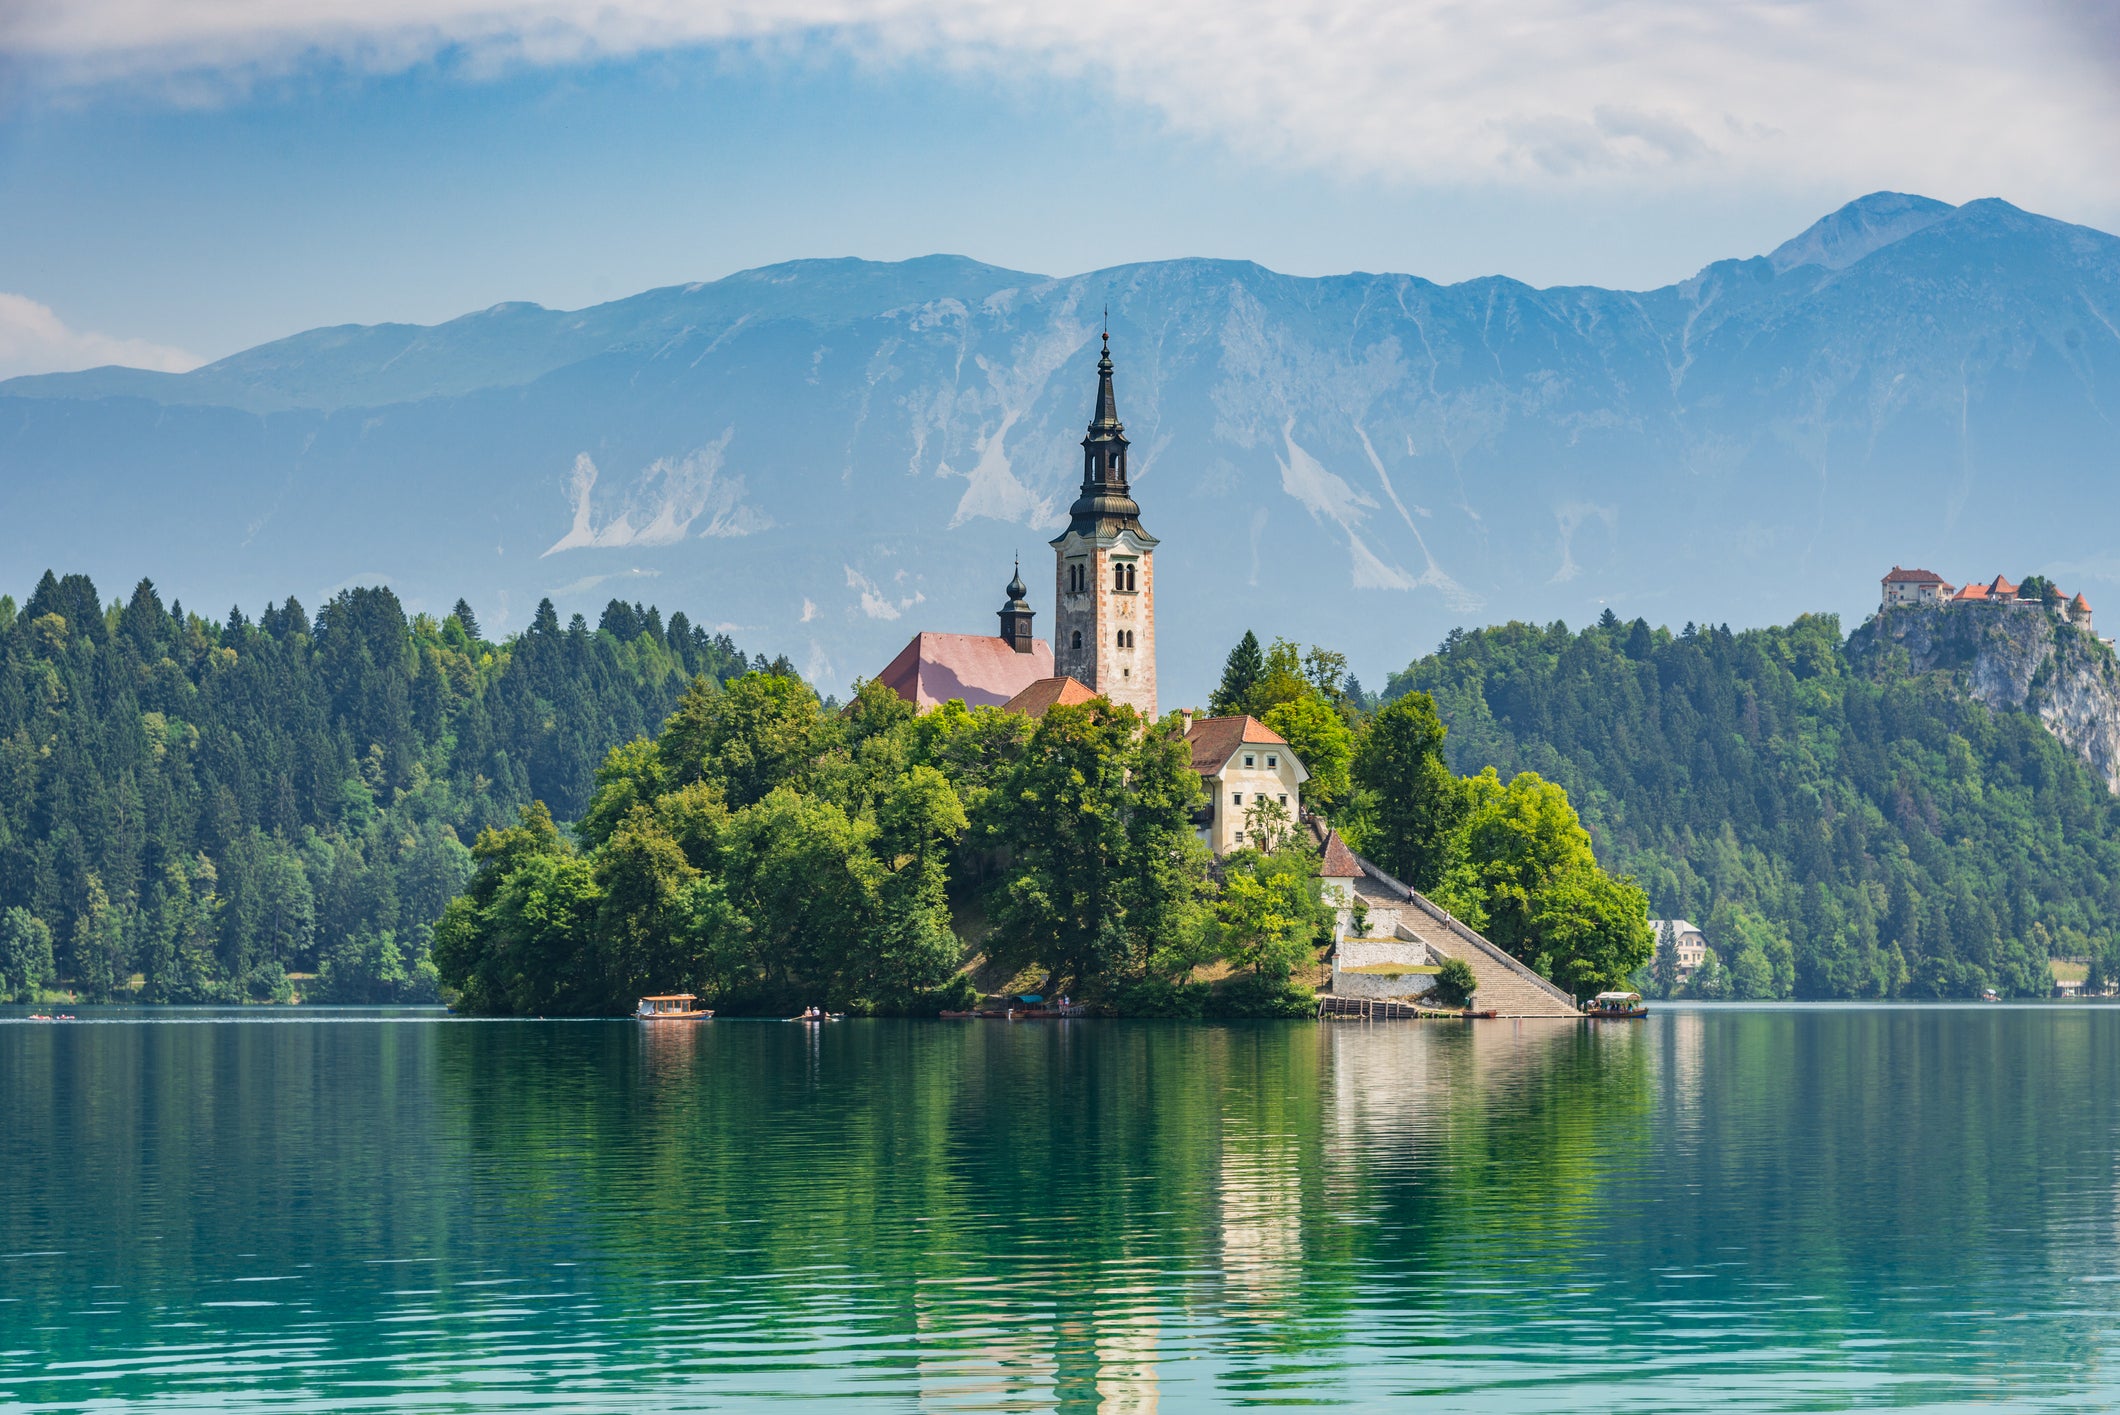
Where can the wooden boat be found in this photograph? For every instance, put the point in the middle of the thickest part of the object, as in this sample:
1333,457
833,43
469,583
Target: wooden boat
820,1017
672,1007
1616,1006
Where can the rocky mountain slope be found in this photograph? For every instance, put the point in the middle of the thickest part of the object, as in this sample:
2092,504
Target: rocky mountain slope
828,455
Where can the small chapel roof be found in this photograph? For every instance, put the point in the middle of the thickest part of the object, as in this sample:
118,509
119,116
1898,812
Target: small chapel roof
1339,861
983,670
1046,693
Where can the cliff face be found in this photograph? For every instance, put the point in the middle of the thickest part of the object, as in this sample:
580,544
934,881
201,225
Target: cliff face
2016,658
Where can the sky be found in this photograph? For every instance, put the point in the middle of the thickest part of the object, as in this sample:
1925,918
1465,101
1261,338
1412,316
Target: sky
181,179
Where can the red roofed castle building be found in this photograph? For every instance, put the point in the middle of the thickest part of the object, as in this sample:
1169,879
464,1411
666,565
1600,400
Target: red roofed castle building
1923,587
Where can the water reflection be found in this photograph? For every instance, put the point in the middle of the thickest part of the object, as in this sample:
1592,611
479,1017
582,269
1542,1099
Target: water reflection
1788,1208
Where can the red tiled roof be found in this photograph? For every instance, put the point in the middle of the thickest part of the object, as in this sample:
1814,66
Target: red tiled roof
1913,577
2000,587
982,669
2079,602
1972,592
1214,738
1339,862
1046,693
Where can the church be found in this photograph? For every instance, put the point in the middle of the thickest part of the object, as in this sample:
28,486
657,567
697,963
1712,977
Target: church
1104,640
1104,631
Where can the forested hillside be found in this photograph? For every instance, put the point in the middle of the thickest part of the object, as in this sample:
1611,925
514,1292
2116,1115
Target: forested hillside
209,807
1841,826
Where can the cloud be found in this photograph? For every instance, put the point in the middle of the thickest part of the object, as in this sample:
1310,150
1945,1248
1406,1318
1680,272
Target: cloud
874,601
1962,96
35,340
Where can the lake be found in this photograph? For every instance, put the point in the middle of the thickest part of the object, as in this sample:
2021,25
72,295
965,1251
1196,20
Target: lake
1756,1208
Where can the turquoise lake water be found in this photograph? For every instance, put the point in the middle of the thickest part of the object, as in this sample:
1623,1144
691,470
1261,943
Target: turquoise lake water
1759,1209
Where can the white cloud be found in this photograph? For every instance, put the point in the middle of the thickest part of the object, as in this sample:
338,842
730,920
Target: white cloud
809,610
35,340
1962,97
874,601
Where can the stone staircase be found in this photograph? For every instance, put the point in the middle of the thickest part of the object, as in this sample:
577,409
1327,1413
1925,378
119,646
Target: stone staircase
1505,986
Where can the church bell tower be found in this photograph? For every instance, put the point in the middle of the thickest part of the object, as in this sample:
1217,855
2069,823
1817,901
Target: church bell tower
1104,632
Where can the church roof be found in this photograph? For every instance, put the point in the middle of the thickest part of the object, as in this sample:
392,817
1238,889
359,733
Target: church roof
1339,861
1046,693
984,670
1913,577
1215,739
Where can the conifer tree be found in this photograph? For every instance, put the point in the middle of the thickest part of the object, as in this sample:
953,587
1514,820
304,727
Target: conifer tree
1240,675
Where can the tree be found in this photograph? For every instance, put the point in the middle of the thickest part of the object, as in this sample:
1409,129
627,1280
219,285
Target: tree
1667,960
1710,980
98,960
515,942
1268,824
1240,674
1526,876
1280,681
1454,983
1410,806
1269,912
1324,668
1097,817
1322,742
763,731
25,955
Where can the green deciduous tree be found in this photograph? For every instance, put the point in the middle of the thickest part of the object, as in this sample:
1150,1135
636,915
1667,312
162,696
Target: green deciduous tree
1525,875
1268,912
1105,865
1410,806
1322,742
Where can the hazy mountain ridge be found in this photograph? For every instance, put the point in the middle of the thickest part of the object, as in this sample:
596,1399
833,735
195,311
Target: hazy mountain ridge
868,443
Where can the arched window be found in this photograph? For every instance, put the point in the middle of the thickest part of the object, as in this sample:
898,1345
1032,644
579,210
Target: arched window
1078,639
1118,577
1129,577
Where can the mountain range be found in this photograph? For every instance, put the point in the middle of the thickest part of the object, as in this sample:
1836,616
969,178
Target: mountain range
827,455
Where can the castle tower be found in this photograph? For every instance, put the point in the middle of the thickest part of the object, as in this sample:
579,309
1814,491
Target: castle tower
1104,629
1016,614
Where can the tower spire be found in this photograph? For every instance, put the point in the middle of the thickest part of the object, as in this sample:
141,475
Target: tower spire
1016,613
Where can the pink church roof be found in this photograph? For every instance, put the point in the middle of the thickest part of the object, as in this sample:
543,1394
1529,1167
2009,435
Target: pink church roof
983,670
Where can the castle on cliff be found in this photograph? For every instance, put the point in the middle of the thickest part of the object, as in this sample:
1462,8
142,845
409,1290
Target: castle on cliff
1925,587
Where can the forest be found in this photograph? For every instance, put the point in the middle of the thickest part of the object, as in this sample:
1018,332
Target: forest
196,810
1839,828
